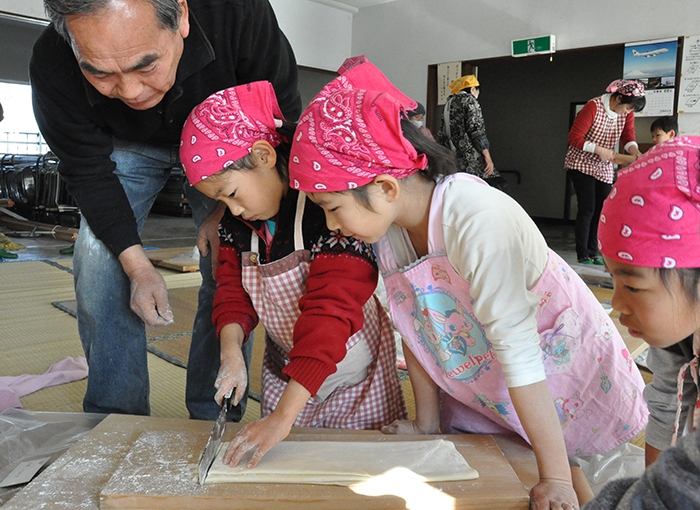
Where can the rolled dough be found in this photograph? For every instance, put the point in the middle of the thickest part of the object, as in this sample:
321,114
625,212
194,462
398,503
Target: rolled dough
345,463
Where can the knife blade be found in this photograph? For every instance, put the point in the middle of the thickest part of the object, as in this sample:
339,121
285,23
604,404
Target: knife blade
215,438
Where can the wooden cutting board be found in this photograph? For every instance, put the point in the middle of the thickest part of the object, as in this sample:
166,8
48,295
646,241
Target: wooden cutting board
171,259
160,473
84,477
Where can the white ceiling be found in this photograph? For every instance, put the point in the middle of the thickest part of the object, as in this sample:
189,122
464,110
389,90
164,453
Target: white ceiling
352,5
363,3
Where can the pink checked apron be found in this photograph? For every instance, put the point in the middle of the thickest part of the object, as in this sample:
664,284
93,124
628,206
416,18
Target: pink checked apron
596,387
691,366
365,392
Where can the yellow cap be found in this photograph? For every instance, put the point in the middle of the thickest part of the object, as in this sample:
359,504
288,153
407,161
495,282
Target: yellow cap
464,82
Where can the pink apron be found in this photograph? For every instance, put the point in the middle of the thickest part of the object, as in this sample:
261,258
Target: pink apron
596,387
365,392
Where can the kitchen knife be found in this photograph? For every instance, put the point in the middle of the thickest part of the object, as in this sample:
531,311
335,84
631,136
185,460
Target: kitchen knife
214,442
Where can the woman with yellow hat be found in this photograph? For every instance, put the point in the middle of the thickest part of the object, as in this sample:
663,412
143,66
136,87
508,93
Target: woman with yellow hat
463,130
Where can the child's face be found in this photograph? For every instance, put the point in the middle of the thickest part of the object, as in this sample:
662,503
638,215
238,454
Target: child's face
661,316
345,213
659,136
251,194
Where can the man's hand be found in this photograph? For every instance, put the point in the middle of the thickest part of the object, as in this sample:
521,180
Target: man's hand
208,235
149,295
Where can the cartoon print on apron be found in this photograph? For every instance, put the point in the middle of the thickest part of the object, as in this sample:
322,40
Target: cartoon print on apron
597,395
364,392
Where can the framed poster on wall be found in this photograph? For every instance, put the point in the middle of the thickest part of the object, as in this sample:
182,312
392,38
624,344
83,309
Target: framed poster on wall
447,72
654,64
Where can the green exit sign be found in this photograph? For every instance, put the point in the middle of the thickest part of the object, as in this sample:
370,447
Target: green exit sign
533,46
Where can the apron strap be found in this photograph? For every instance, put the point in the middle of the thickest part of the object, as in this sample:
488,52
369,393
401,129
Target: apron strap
692,365
298,233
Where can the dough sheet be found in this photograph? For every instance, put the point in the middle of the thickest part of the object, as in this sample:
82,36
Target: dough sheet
345,462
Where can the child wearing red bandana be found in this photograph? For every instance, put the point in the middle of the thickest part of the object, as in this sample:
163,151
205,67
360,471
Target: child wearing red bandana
648,235
500,334
330,356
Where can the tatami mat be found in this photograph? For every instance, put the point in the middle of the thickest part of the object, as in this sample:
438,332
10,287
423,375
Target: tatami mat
34,335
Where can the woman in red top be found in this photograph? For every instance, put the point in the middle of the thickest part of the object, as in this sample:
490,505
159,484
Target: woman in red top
600,125
330,356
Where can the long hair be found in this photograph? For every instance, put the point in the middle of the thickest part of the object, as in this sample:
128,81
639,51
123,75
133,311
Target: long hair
441,161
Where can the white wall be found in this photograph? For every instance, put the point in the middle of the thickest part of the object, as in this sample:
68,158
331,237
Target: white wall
403,37
31,8
320,35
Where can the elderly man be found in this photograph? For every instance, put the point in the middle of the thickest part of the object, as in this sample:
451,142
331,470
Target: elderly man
113,82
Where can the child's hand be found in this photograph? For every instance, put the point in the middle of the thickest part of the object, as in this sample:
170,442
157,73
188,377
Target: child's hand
554,494
405,427
260,435
232,373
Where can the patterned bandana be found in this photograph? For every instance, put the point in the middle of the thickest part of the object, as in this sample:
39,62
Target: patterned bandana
652,216
626,88
464,82
223,128
351,133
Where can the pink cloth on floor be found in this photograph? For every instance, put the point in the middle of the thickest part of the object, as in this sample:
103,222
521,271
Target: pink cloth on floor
65,371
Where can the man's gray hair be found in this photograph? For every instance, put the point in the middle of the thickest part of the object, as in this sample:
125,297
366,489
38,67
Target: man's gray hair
167,11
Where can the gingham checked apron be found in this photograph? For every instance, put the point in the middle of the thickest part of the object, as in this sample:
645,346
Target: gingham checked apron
596,388
365,392
605,132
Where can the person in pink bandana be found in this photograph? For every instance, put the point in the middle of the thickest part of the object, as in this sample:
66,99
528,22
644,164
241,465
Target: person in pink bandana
330,356
649,235
599,126
501,335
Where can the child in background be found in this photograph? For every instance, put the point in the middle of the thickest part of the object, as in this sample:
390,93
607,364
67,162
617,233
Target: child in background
663,128
602,122
651,245
330,353
500,334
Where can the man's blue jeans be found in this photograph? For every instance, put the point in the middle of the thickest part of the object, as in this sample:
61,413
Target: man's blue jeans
113,336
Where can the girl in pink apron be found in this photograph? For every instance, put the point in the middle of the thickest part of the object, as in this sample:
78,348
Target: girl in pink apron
650,242
500,334
330,355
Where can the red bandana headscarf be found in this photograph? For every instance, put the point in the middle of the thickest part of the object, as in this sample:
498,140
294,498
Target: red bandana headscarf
351,133
652,216
223,128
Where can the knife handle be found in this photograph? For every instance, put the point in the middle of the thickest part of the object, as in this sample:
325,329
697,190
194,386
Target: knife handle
226,401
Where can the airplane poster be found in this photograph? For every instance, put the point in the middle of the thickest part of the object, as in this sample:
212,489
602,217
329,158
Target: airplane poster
654,64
